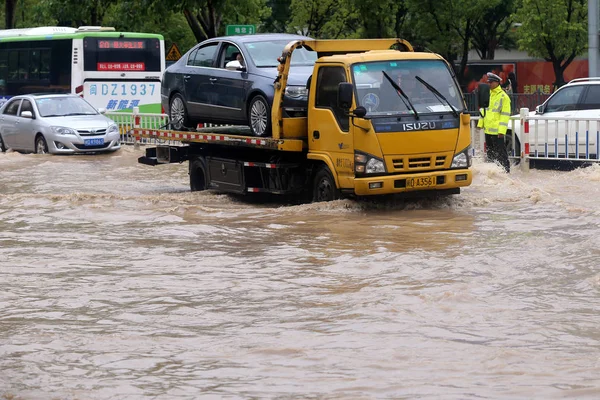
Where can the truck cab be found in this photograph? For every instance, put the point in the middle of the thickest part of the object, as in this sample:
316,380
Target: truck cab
382,122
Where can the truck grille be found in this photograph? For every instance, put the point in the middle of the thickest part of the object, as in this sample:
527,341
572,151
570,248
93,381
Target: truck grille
418,163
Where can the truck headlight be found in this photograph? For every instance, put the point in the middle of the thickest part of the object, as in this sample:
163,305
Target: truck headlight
462,159
62,130
368,164
296,92
375,166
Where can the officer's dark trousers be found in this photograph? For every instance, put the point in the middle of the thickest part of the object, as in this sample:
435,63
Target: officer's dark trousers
496,151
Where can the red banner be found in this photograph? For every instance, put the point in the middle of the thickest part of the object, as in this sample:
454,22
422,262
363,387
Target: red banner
121,66
525,76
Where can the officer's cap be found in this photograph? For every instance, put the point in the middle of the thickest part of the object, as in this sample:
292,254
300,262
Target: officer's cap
493,77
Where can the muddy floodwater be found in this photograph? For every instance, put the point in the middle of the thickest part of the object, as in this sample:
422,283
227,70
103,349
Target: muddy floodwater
117,282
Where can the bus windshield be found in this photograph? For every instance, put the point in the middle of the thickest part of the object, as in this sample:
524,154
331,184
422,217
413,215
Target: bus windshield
121,54
377,94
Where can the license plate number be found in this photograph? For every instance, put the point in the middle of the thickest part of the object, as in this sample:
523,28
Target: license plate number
426,181
93,142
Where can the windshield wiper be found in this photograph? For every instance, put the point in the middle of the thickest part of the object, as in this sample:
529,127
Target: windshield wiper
437,94
53,115
80,114
401,94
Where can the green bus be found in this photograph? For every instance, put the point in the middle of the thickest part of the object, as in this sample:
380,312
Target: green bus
112,70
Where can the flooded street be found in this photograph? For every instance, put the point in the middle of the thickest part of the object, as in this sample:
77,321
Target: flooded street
117,282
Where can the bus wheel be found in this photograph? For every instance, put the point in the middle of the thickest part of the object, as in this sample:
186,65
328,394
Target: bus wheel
41,147
259,116
2,145
178,115
324,188
198,175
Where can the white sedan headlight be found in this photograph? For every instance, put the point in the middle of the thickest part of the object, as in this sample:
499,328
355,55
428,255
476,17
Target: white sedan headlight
112,129
62,130
296,92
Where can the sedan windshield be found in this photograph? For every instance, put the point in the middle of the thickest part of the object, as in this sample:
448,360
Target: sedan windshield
378,95
63,106
265,54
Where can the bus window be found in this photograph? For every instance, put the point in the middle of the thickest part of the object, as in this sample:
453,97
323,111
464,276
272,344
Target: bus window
23,65
34,66
13,65
44,64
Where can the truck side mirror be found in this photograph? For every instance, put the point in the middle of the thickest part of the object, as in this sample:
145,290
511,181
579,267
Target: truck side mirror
360,112
483,95
345,93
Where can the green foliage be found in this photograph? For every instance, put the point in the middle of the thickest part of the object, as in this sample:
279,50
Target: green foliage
555,30
494,27
323,19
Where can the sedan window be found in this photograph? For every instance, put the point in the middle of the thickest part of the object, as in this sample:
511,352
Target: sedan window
565,99
592,98
205,55
26,106
12,107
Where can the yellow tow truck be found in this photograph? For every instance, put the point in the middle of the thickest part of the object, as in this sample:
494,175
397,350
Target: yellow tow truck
381,119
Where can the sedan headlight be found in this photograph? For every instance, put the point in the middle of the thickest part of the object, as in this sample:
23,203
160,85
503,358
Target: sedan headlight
112,129
62,130
462,159
296,92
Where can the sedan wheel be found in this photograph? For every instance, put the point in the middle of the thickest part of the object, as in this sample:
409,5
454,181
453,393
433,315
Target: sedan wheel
2,145
178,113
260,118
41,147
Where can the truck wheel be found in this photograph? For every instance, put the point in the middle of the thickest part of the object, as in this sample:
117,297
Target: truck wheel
198,180
259,116
178,115
324,188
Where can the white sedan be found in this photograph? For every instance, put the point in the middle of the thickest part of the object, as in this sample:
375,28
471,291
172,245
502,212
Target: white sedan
55,123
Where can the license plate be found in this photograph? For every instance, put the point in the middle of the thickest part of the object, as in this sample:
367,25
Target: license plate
425,181
93,142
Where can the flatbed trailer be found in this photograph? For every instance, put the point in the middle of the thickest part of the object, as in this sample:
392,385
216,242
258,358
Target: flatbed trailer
339,148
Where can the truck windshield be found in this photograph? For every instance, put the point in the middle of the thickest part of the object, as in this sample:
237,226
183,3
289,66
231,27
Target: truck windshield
265,54
378,96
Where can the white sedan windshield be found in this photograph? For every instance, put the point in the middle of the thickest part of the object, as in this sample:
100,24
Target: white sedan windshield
63,106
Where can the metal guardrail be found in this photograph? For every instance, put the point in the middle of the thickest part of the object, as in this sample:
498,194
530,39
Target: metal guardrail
539,138
517,101
558,139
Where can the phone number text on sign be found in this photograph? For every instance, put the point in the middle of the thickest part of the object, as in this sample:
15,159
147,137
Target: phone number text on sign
123,89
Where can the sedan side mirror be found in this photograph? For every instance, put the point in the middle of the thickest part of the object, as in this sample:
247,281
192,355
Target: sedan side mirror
539,109
234,65
102,110
27,114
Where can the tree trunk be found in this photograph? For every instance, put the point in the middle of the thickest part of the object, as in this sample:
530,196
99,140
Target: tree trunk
9,13
559,79
194,26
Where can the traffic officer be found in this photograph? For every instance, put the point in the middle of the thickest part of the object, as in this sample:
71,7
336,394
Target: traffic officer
494,122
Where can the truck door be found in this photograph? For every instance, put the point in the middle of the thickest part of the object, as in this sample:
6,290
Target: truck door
329,128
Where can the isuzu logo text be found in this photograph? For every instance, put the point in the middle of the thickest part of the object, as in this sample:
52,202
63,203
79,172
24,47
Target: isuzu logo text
418,126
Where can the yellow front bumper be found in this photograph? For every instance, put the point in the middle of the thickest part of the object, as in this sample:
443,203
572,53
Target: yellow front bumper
391,184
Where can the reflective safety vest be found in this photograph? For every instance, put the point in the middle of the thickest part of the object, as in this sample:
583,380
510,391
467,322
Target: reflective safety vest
497,115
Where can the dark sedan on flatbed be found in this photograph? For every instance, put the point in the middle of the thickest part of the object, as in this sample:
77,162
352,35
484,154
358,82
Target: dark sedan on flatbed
229,80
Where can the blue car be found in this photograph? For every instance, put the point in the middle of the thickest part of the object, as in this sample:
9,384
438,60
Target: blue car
229,80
